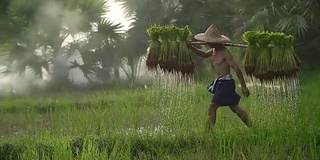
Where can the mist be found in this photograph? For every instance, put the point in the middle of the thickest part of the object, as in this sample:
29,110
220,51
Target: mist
59,37
69,29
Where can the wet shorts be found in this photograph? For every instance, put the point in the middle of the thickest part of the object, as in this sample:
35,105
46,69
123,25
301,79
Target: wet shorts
224,92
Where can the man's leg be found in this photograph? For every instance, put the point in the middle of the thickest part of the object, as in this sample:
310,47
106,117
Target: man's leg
212,112
242,114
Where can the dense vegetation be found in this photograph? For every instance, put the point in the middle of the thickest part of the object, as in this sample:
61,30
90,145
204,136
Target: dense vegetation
133,125
35,34
146,121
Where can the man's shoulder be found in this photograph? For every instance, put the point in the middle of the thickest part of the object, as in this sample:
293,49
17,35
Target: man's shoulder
226,52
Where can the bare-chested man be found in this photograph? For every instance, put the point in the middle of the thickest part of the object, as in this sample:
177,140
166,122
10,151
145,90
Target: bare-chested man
223,87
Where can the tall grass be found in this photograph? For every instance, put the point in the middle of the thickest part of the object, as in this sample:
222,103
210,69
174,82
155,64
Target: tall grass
134,124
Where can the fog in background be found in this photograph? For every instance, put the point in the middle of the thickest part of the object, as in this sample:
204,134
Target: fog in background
115,53
26,83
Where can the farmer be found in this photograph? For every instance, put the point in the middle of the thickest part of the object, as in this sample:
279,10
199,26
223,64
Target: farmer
223,87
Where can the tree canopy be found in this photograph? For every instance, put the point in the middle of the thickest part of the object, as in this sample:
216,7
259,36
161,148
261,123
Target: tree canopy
35,33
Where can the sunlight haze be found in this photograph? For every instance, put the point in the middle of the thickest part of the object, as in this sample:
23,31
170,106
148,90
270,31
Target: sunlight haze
116,14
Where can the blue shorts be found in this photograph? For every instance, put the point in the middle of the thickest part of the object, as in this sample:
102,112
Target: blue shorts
224,93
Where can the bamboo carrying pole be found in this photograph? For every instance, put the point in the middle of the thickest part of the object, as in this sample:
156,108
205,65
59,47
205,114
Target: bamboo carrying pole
225,44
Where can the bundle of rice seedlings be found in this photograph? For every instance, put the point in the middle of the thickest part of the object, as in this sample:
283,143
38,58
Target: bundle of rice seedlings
250,56
154,48
270,55
173,49
277,52
168,49
290,60
285,62
263,59
165,55
186,63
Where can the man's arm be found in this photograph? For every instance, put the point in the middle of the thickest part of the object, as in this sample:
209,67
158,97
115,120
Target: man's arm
200,52
228,57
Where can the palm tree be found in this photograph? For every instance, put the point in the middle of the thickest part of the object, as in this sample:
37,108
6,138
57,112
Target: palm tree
296,17
51,28
99,52
143,13
293,16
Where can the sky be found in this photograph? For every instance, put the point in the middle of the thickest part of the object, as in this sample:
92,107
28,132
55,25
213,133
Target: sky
116,14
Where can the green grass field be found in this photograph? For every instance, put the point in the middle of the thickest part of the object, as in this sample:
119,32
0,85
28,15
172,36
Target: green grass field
136,124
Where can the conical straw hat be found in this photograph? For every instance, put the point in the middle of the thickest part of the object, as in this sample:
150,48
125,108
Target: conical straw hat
212,35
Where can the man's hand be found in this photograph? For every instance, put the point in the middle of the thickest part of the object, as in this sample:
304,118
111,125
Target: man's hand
189,44
197,51
245,91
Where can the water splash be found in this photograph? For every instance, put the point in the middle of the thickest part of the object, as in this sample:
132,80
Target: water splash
276,98
173,94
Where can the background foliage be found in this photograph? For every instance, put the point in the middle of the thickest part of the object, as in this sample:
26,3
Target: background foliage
36,34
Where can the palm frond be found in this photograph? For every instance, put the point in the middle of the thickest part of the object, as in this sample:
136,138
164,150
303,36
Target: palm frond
284,24
109,29
93,9
35,70
130,6
293,24
301,25
294,16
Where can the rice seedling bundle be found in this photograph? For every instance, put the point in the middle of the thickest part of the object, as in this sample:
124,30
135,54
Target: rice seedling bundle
154,48
270,55
263,59
249,56
291,61
277,54
168,49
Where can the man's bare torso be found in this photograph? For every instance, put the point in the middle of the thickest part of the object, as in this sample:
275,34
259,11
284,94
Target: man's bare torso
220,64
